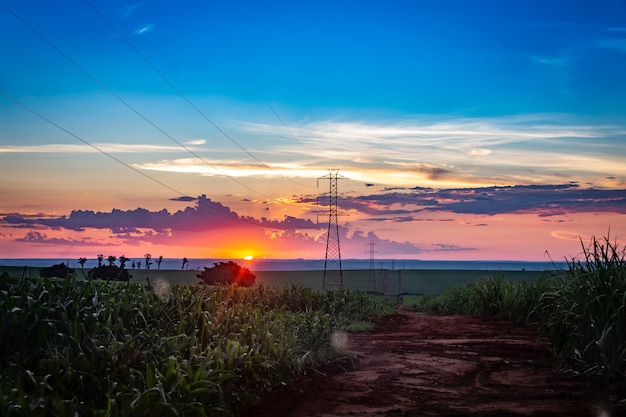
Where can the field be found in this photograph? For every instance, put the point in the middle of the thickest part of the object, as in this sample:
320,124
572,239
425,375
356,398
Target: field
406,281
157,346
76,347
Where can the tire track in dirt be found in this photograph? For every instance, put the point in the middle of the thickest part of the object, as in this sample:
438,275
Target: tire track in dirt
424,365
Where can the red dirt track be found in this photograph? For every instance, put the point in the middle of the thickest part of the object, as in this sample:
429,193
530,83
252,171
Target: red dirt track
424,365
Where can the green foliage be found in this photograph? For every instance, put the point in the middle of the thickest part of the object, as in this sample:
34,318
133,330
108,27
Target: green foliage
585,314
227,273
56,271
494,296
582,310
109,272
101,348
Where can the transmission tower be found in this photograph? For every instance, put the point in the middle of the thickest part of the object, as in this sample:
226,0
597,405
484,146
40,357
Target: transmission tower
333,274
371,276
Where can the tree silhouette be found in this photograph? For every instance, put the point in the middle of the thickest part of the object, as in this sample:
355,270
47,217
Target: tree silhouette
148,261
109,273
111,260
123,259
227,273
185,262
82,261
159,262
56,271
100,258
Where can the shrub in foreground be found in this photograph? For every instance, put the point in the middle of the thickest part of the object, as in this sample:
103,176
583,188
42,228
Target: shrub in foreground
585,314
227,273
56,271
493,296
109,273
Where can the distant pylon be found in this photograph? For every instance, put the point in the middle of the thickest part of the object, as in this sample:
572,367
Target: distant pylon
371,276
333,273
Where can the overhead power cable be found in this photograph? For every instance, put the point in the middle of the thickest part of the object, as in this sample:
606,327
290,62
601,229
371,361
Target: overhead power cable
121,100
41,116
251,81
184,97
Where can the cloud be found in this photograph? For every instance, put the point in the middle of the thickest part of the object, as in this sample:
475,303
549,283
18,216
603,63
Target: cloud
542,200
531,148
210,219
42,238
206,215
444,247
144,29
128,11
197,142
396,206
184,199
616,44
78,148
568,236
479,152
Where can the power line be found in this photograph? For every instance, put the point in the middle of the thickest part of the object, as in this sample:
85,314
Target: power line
41,116
184,97
121,100
251,81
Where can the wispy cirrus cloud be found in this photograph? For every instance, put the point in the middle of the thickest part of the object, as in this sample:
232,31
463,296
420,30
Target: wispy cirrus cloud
144,29
616,44
78,148
463,151
129,10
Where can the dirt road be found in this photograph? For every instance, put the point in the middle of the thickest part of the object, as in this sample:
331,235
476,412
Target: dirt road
424,365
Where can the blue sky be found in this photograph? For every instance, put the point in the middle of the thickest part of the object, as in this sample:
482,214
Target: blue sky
400,96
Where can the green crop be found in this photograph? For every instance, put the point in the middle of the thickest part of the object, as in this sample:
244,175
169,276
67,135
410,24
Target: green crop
73,347
494,296
585,314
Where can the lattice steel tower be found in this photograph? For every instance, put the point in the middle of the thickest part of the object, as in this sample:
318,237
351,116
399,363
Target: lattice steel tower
371,276
333,274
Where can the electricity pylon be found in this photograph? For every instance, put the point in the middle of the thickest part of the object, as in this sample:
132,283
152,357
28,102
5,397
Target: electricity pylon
371,276
333,274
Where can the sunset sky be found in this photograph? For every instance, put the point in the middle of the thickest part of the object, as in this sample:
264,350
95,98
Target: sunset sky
487,130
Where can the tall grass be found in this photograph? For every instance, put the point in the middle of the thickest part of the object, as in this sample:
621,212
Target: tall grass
72,347
581,309
494,296
585,314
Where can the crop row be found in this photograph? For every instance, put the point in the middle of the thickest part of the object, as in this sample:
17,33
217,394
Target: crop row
72,347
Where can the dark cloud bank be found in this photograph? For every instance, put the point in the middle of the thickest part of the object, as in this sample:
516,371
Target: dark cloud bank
206,215
397,205
542,200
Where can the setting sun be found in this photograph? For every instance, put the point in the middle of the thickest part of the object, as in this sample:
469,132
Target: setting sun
248,258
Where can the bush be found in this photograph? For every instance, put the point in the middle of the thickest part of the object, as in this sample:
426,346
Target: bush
227,273
109,273
56,271
585,315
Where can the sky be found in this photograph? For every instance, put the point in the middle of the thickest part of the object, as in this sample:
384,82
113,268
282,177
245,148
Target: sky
482,130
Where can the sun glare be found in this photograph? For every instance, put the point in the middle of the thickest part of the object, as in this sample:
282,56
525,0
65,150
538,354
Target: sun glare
248,258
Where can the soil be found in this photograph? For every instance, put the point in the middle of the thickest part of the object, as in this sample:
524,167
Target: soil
416,364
